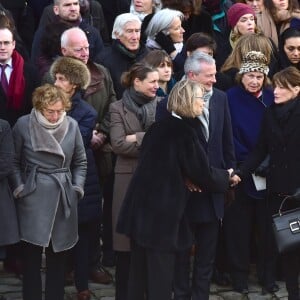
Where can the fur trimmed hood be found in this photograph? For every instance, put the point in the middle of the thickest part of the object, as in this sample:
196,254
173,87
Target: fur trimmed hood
73,69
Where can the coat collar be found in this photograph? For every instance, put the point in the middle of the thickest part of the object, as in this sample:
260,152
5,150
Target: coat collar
43,140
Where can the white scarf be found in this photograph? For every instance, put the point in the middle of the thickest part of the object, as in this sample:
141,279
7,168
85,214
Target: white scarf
45,123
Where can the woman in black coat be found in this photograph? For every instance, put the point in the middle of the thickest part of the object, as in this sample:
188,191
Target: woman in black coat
153,212
279,137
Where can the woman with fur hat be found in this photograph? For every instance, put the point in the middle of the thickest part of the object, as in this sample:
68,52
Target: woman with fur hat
241,19
247,103
73,76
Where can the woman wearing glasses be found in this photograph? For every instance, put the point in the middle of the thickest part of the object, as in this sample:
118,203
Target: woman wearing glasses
49,175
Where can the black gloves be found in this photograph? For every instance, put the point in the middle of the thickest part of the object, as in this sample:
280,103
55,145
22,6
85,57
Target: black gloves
165,42
263,169
296,195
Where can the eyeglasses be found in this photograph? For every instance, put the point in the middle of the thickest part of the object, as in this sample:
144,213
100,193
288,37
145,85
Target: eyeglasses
5,43
52,112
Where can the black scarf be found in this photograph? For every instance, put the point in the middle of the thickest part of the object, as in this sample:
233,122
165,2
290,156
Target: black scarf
283,111
142,106
125,51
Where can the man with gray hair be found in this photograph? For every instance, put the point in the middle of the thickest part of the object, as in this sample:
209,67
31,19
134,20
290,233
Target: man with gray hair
126,48
205,209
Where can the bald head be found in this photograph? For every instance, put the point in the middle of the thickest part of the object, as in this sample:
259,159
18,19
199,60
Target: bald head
74,43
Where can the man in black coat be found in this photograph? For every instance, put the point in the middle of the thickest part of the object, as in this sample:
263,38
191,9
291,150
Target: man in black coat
18,81
205,209
69,12
126,49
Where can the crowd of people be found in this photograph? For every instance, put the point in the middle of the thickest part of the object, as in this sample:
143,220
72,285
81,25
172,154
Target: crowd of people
140,133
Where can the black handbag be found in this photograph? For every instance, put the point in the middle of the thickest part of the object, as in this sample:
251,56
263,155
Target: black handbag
286,226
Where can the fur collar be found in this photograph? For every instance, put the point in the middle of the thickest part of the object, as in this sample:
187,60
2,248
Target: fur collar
43,140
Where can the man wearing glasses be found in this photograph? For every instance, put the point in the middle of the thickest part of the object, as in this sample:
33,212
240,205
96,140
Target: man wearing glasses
18,79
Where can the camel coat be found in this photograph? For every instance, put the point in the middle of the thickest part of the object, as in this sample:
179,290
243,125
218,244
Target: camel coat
48,179
123,122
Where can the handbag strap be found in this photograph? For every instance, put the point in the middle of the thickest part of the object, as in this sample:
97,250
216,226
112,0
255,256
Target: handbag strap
282,203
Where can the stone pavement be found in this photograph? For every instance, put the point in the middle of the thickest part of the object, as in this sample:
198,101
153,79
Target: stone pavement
11,289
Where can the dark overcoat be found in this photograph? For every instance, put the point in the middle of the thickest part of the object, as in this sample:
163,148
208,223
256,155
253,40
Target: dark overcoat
9,232
209,206
48,180
153,211
282,143
118,61
90,207
32,81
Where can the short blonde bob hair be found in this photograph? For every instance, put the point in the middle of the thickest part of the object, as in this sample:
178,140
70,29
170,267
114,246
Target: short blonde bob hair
182,96
47,95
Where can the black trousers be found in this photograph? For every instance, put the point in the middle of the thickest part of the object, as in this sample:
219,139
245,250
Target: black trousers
55,270
206,237
122,274
85,253
246,220
291,269
151,274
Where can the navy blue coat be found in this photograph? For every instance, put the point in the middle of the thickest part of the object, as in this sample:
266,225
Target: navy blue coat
89,208
207,206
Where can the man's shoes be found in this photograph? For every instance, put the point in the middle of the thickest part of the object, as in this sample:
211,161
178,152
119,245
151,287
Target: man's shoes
100,275
221,278
243,290
273,288
84,295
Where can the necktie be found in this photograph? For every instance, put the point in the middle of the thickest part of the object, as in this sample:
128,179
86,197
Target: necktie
4,81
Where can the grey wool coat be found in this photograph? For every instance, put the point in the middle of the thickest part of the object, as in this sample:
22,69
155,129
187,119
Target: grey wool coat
48,180
9,232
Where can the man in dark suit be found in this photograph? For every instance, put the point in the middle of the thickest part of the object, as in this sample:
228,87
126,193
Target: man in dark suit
205,209
18,81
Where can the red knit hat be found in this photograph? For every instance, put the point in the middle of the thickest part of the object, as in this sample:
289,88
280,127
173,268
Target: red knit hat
236,11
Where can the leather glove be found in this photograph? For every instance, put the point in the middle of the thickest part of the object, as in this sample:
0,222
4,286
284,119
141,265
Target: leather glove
263,169
296,195
165,42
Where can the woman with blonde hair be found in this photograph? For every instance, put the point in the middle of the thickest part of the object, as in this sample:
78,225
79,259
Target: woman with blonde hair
242,20
263,18
153,212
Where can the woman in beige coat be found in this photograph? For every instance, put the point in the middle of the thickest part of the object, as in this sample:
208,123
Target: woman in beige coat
130,118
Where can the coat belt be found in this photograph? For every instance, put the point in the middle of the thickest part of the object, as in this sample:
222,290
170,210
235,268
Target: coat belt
30,185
